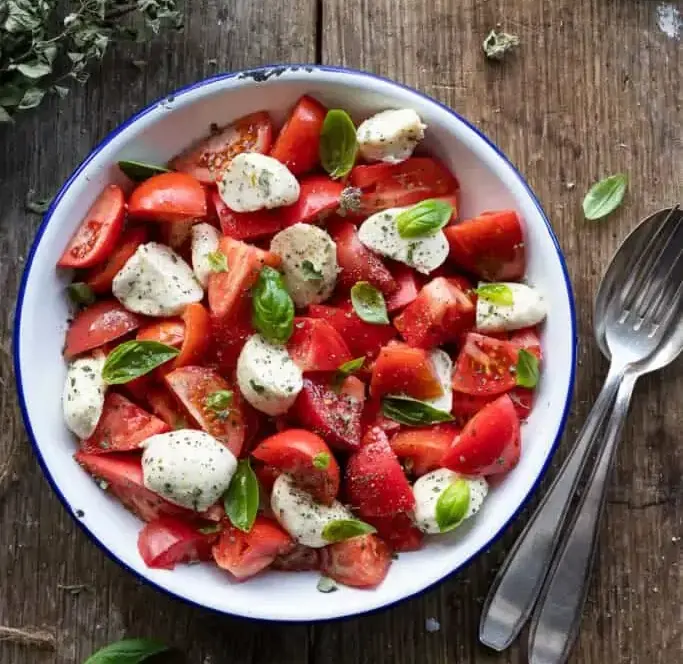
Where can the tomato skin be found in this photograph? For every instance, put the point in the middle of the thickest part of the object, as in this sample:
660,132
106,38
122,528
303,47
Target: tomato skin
168,197
398,531
319,196
208,157
336,416
490,442
191,385
246,554
406,287
316,346
122,427
99,324
401,369
298,143
100,277
196,335
467,405
490,246
170,331
373,417
356,262
166,541
165,407
96,237
293,451
528,339
299,559
246,225
424,447
360,562
227,338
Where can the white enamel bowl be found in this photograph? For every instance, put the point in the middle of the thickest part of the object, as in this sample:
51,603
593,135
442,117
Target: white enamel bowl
488,181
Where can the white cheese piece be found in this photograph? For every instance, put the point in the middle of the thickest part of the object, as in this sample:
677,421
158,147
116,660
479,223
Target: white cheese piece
527,309
187,467
83,396
155,281
253,181
300,515
390,136
380,234
309,262
267,376
429,487
204,242
444,370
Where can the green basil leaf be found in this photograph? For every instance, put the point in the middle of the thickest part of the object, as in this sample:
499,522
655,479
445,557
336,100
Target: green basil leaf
133,359
412,412
242,497
34,70
210,530
368,303
326,585
321,460
605,196
338,144
138,171
219,401
311,273
217,261
32,98
424,219
497,44
527,369
80,293
272,307
128,651
346,369
452,505
496,293
349,201
257,387
343,529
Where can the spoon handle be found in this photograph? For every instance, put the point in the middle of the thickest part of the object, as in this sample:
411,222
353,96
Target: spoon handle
519,581
555,623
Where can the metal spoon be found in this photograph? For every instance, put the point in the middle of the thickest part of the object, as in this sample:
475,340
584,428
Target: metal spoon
639,324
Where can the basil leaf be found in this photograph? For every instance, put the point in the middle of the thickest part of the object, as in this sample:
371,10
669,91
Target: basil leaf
326,585
80,293
133,359
321,460
496,293
272,307
497,44
37,205
343,529
452,505
311,273
412,412
242,497
368,303
219,400
338,144
217,261
139,171
210,530
128,651
346,369
424,219
605,196
257,387
527,369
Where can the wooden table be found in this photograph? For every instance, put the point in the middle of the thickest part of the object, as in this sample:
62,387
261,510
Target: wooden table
595,88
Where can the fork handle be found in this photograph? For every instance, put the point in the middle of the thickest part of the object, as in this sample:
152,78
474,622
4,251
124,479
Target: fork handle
519,581
555,623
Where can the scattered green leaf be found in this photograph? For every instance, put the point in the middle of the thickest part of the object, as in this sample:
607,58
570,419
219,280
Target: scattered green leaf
345,370
497,44
80,293
272,307
452,505
133,359
242,497
527,369
412,412
311,273
128,651
338,144
368,303
217,261
219,401
605,196
139,171
321,460
496,293
424,219
36,204
343,529
326,585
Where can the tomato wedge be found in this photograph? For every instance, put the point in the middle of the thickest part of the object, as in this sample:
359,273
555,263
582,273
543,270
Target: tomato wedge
407,287
490,442
167,541
298,143
401,369
528,339
206,159
361,562
99,324
319,196
421,449
398,531
316,346
170,332
96,237
168,197
246,225
165,407
227,338
191,386
306,457
100,277
467,405
299,559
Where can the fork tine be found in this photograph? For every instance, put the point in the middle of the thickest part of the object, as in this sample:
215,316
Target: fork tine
670,311
658,304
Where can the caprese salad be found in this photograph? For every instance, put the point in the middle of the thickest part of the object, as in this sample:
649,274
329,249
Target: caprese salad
290,353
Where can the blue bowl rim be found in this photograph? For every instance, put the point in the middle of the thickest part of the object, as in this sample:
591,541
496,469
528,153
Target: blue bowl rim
262,74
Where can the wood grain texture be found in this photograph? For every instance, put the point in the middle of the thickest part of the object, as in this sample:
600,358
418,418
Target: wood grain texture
595,88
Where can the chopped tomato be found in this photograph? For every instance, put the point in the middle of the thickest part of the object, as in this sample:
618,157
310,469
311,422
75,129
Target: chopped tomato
375,483
122,427
245,554
356,262
99,324
227,338
528,339
361,562
170,332
373,417
266,476
306,457
168,197
467,405
100,277
440,313
398,531
490,442
485,366
191,386
490,246
165,407
196,335
298,143
208,158
300,559
316,346
167,541
246,225
138,388
421,449
95,239
407,287
401,369
319,196
334,414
